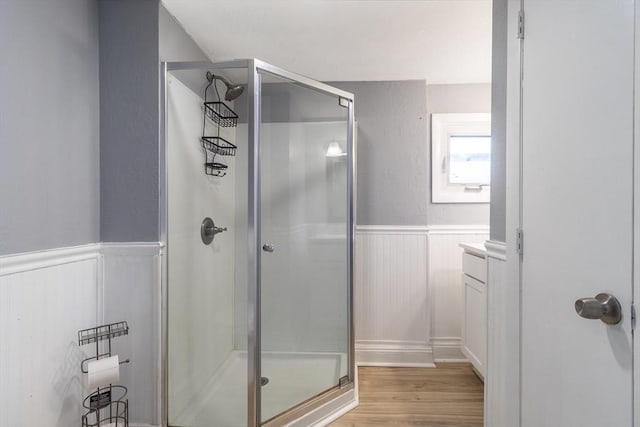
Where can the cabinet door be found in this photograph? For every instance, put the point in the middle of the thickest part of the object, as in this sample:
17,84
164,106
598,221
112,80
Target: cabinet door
474,327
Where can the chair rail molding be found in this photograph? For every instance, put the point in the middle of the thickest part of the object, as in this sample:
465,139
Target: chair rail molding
17,263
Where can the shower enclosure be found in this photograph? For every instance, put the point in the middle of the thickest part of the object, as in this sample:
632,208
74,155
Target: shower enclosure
257,323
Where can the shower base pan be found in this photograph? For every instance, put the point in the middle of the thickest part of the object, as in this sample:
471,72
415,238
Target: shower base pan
292,377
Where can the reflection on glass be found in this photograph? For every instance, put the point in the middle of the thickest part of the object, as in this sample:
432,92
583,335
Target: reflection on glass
470,159
304,216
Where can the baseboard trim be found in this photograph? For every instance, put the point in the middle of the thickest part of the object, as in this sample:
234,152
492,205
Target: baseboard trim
448,349
337,414
394,354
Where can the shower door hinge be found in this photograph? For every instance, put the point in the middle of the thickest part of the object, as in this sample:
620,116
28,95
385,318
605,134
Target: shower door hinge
519,240
521,24
344,381
633,317
343,102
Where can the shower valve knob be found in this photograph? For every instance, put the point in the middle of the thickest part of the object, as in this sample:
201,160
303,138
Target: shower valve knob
208,230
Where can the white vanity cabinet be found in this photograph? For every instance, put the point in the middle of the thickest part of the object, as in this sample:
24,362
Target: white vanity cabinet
474,315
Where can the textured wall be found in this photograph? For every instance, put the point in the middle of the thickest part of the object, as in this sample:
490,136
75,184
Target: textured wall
134,37
393,153
49,143
394,162
129,114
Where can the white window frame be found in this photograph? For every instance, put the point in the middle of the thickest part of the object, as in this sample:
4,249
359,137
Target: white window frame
443,126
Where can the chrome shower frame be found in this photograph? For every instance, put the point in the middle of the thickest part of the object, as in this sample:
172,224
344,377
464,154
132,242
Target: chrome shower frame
254,69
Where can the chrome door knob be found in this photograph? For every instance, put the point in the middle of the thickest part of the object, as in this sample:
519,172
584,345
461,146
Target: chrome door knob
604,307
268,247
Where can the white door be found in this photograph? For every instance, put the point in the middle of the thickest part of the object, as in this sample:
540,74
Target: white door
577,199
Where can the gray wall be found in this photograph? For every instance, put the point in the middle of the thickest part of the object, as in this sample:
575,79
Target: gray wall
458,98
394,181
498,121
393,153
134,37
129,112
49,124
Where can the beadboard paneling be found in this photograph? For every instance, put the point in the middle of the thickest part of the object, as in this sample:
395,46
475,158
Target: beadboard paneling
445,270
132,293
391,297
408,298
45,298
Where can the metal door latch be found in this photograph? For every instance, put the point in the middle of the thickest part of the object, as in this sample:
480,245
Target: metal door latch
604,307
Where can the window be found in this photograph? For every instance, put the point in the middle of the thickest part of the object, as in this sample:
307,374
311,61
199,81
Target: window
460,158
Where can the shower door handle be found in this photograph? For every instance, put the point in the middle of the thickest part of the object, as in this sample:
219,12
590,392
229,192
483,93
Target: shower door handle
267,247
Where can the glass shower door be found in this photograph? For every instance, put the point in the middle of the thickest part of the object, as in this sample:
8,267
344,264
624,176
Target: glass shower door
305,253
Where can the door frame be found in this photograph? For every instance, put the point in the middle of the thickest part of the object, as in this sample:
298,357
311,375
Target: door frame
508,413
636,211
256,68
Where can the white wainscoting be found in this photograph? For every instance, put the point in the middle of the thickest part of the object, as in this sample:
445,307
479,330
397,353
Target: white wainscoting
391,295
408,297
45,298
132,293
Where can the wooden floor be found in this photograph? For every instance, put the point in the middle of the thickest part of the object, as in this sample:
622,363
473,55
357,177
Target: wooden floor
449,395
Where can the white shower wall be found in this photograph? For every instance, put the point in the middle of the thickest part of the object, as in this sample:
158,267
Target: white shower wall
201,277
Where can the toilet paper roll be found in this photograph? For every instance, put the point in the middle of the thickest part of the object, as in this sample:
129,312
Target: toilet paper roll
102,372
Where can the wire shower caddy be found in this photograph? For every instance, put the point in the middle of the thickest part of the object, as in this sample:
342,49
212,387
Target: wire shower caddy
215,145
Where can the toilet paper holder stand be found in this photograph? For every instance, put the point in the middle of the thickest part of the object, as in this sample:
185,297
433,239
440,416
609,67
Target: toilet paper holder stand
106,405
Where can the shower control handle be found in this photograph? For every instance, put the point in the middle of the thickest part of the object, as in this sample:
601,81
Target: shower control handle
208,230
604,307
267,247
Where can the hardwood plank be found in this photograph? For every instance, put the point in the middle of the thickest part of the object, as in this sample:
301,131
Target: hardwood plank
446,396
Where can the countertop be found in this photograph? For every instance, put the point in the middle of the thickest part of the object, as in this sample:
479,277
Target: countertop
477,249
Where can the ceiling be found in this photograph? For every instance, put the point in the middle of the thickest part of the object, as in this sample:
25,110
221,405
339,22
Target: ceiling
442,41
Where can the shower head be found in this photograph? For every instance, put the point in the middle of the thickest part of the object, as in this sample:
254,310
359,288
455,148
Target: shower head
233,91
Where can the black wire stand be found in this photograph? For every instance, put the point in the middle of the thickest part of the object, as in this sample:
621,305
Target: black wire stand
106,406
222,116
